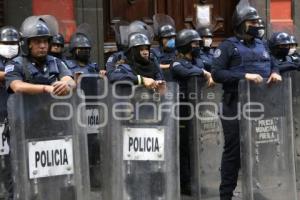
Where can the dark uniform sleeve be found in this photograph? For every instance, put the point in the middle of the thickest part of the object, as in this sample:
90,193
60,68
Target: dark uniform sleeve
199,62
159,75
13,71
121,73
63,69
2,68
179,70
282,66
112,61
224,57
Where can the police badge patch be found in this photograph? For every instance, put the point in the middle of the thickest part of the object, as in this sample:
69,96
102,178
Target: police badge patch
217,53
9,68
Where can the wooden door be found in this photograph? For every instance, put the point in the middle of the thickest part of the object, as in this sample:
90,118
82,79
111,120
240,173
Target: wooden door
182,11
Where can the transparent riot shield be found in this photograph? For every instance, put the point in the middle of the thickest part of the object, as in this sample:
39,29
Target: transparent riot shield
295,77
267,141
4,161
48,148
141,146
206,139
4,148
93,89
160,20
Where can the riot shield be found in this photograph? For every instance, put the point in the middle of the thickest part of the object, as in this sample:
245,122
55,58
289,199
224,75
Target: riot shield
124,35
93,89
119,41
141,145
295,77
141,27
4,160
267,141
86,30
48,148
206,139
160,20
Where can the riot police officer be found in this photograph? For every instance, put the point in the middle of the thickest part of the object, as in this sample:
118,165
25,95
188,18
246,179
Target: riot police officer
182,69
165,53
138,67
9,48
122,44
239,57
80,48
57,45
188,47
35,71
279,45
206,50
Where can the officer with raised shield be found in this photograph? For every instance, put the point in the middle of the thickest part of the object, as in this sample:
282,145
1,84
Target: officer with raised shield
165,53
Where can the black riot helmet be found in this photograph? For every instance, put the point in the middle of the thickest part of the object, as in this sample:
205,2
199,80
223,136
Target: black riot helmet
166,31
184,39
9,34
242,15
79,40
138,39
58,39
279,38
33,27
204,32
186,36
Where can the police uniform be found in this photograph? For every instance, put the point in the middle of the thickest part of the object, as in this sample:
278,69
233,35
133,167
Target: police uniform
113,59
232,60
182,69
285,64
279,45
90,68
124,72
206,57
164,57
25,69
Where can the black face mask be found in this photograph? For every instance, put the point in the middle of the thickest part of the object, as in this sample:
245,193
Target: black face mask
83,55
196,52
282,52
254,31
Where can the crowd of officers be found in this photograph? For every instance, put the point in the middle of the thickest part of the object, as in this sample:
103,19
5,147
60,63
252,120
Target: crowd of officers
32,61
